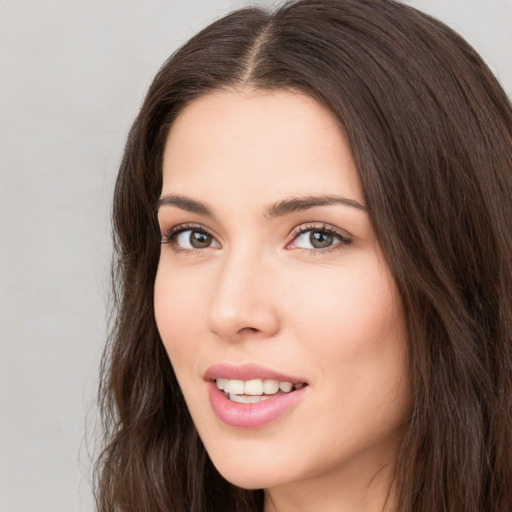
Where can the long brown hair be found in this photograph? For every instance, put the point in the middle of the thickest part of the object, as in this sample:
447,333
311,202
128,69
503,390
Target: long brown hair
431,132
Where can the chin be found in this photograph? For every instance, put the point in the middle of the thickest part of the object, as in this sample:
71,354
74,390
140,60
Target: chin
249,469
250,480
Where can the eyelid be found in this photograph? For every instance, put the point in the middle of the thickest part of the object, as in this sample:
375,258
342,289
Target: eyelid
320,226
345,237
168,236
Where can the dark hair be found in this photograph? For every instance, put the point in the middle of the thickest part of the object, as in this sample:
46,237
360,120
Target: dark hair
431,133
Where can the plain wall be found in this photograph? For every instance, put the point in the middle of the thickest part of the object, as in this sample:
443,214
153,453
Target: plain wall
72,76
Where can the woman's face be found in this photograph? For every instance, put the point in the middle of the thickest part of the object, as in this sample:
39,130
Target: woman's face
270,278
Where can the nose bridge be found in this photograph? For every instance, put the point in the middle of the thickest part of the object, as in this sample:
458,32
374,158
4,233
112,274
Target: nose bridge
242,296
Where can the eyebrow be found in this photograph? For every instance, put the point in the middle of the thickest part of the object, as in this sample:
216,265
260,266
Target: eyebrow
185,203
284,207
296,204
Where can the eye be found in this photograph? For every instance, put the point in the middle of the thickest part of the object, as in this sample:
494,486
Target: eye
318,239
186,238
193,239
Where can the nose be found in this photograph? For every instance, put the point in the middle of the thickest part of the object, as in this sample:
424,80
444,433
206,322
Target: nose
243,303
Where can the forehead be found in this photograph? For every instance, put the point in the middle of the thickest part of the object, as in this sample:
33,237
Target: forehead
258,144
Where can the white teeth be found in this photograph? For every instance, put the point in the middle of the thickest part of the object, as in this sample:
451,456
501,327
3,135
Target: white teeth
234,387
246,399
254,388
286,386
270,386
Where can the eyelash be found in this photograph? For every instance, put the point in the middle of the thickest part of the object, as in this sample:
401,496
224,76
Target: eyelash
170,237
344,240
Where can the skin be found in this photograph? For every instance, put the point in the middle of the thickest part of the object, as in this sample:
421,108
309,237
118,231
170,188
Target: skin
261,293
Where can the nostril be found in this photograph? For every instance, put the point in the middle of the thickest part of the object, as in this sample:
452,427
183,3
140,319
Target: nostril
247,331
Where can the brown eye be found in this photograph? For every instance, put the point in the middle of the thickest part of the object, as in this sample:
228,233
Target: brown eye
191,239
320,239
200,240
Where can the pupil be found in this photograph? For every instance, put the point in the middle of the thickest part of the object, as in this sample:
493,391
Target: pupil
320,240
199,240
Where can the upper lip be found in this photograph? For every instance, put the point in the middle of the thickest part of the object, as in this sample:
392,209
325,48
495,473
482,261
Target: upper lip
247,372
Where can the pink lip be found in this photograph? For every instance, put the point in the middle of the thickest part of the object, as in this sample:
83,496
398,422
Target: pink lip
246,372
250,415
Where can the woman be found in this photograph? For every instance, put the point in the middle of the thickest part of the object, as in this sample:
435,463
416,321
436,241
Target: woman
313,277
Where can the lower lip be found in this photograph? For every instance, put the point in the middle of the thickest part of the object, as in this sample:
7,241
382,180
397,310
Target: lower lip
255,415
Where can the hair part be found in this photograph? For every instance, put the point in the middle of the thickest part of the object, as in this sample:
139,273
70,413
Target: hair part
431,133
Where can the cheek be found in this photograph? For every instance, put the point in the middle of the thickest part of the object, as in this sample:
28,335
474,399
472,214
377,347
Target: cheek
178,304
352,330
350,307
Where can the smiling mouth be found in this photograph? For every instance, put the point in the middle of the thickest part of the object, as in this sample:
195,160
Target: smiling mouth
255,390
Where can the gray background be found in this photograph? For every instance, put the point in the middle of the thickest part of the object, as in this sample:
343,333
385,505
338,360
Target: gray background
72,76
